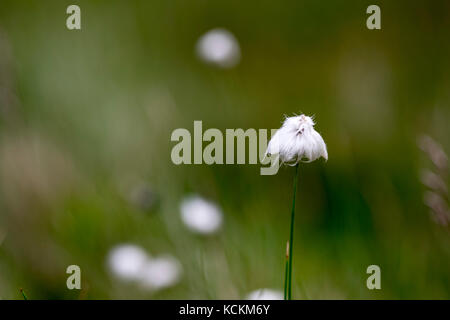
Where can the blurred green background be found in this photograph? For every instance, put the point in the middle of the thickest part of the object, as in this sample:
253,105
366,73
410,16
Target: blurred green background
86,117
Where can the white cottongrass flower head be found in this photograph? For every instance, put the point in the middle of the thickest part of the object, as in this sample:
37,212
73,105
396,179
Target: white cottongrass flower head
200,215
219,47
131,263
126,261
265,294
297,141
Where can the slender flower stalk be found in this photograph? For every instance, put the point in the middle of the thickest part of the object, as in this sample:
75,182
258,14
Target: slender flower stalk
291,236
23,294
296,141
286,271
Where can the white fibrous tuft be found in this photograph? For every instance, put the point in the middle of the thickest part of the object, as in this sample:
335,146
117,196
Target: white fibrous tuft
297,141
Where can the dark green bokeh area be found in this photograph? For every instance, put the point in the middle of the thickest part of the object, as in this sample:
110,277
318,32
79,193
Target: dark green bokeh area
86,115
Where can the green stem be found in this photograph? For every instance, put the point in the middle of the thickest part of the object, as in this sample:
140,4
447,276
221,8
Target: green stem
291,237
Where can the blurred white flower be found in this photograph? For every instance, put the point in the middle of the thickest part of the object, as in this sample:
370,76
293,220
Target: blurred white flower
131,263
297,141
200,215
126,261
159,273
265,294
219,47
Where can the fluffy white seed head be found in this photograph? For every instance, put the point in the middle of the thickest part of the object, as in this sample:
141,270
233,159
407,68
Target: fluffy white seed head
297,141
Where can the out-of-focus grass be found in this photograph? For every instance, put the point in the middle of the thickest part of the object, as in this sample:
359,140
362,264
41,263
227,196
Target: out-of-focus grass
87,115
